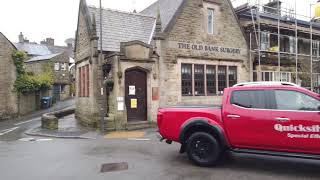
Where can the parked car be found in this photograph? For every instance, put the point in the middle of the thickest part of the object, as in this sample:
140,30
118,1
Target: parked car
279,119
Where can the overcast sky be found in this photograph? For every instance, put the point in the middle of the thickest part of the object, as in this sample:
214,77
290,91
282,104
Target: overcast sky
38,19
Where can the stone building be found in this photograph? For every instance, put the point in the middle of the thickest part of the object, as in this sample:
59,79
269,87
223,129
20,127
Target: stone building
56,57
59,65
8,100
175,52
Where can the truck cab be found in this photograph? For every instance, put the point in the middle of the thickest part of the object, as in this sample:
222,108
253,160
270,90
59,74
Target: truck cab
276,118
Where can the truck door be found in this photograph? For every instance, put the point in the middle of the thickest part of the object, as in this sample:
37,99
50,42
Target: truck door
248,120
298,121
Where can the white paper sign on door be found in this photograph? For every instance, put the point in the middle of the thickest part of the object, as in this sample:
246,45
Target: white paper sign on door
132,90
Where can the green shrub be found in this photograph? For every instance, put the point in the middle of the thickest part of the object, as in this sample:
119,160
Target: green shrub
28,82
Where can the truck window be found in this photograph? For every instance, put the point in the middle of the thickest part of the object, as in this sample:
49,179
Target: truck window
249,99
292,100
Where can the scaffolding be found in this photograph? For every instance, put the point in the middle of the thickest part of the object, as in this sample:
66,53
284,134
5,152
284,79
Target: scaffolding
287,24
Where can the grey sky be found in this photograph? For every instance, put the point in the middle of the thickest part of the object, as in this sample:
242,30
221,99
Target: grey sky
38,19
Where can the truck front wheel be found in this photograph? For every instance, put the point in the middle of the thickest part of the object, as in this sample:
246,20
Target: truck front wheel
203,149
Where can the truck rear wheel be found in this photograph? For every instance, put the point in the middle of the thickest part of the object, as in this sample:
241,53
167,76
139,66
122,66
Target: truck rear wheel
203,149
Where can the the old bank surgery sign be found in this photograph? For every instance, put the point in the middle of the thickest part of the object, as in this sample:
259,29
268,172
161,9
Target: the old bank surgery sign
208,48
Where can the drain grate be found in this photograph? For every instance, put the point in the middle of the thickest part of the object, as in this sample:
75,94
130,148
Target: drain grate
114,167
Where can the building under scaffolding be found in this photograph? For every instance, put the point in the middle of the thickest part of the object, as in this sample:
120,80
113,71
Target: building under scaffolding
284,46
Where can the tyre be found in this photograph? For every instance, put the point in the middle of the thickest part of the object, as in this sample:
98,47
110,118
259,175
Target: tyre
203,149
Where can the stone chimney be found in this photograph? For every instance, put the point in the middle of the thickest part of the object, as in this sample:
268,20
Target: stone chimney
50,41
272,7
21,38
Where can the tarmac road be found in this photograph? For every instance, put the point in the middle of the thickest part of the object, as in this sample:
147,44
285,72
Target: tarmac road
147,158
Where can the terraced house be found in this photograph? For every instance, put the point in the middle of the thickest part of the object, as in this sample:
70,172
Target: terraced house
173,52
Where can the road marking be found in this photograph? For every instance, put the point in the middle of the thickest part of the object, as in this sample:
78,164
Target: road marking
27,139
34,140
8,131
24,122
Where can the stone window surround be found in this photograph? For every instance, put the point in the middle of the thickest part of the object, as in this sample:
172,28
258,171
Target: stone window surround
215,63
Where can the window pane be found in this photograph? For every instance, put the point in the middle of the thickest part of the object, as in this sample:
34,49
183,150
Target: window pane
56,66
249,99
186,77
291,100
199,79
222,78
232,75
210,21
211,80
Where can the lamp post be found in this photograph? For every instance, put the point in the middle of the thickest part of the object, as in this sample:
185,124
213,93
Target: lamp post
103,129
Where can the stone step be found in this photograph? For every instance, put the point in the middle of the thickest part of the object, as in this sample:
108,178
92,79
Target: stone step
138,125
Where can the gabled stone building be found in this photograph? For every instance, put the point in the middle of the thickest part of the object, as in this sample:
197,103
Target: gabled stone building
8,98
175,52
55,57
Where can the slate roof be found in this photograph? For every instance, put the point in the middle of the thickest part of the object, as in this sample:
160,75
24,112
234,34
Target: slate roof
33,49
42,58
121,26
168,9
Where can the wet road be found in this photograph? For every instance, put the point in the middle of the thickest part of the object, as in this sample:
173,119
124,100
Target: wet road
147,159
14,129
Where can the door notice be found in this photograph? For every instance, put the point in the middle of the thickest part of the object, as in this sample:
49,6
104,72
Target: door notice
132,90
134,103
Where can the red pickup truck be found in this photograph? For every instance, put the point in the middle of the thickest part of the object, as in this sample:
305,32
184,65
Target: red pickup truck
279,119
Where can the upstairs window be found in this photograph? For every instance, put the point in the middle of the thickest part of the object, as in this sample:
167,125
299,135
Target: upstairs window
265,41
292,44
64,66
210,21
315,48
57,66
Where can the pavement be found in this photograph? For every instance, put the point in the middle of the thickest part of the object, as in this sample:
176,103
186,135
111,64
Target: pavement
135,155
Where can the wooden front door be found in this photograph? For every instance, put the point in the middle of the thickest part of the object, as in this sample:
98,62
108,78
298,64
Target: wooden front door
136,95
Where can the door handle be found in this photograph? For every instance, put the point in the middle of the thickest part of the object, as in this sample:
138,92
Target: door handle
233,116
282,119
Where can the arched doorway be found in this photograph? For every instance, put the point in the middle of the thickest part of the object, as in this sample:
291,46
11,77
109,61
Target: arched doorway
136,94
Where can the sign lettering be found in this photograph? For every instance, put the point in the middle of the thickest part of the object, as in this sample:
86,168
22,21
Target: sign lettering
208,48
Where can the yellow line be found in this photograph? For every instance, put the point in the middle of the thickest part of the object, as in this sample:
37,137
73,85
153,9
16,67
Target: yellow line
125,135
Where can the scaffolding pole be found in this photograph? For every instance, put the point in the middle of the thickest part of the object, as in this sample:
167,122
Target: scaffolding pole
250,58
279,59
311,48
259,38
296,39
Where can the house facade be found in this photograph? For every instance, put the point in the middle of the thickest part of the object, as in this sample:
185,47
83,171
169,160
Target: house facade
181,52
58,64
56,58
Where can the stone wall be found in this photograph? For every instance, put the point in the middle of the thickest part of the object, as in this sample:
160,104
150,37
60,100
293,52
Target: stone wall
8,100
28,103
87,108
